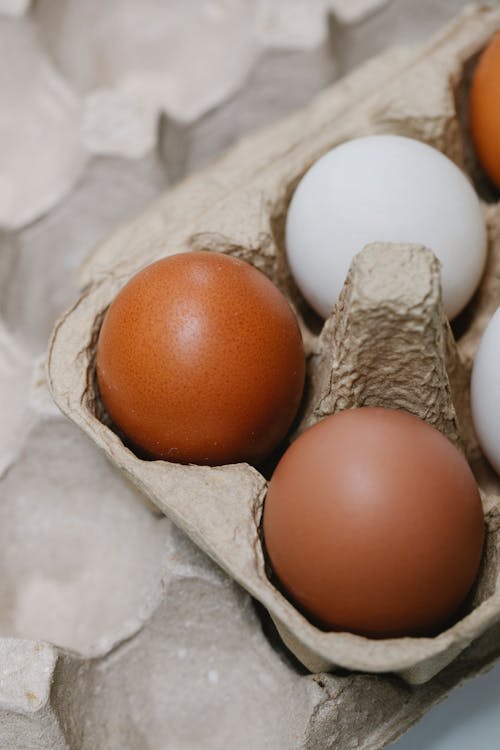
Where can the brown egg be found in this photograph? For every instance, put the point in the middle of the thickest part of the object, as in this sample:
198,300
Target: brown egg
373,524
200,360
484,109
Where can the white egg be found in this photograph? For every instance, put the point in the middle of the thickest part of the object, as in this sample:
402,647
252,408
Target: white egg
384,188
485,392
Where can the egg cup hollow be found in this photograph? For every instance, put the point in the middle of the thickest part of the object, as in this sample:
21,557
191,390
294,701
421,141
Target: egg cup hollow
386,343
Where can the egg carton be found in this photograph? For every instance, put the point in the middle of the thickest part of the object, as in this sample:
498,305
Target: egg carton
238,206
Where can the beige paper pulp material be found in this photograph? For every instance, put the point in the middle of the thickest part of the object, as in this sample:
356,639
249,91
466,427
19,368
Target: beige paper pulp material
391,293
238,206
140,663
220,507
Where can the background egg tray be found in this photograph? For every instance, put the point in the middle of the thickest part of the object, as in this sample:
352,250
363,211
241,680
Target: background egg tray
238,206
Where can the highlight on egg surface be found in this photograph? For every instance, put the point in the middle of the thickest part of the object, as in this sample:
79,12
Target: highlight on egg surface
384,188
373,524
485,392
200,360
484,109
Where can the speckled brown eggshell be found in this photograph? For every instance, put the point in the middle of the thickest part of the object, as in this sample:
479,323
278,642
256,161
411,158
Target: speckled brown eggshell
200,360
373,524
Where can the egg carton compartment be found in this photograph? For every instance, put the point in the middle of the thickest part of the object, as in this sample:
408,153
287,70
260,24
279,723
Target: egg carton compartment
238,206
56,545
115,629
99,619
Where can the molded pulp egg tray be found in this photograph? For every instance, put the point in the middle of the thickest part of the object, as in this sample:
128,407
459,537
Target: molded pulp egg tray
387,342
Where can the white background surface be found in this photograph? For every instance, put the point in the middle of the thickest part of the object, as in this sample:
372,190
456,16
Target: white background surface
468,720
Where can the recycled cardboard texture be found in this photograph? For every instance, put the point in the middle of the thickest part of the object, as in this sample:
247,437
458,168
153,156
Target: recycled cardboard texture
84,564
238,206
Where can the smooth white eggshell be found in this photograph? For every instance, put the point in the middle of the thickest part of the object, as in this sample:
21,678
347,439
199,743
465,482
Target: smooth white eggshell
485,392
384,188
